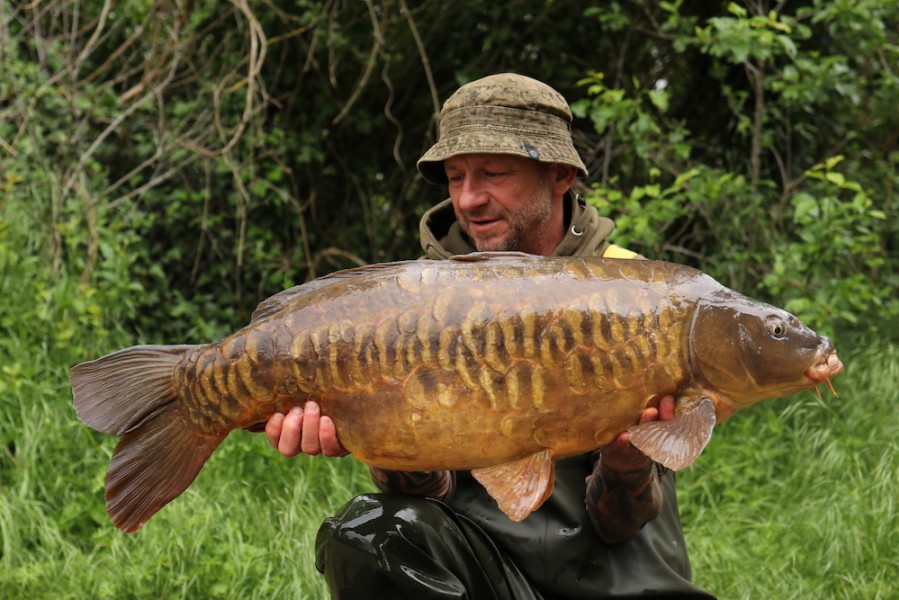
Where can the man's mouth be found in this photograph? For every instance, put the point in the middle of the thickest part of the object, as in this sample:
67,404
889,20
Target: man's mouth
482,224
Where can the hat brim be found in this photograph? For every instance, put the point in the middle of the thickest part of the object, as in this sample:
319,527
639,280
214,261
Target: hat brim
542,149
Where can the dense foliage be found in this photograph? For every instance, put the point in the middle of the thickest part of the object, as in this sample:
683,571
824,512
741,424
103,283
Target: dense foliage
212,154
166,164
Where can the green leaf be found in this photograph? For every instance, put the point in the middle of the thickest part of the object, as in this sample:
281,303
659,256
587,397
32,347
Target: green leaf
683,178
835,177
737,10
805,207
659,99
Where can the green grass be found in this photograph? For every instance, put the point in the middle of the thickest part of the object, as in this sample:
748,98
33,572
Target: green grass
794,498
797,498
246,527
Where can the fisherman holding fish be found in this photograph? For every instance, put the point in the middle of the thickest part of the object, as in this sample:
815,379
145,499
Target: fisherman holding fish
610,528
478,387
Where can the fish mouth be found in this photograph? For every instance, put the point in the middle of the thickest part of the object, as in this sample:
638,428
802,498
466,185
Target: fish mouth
829,366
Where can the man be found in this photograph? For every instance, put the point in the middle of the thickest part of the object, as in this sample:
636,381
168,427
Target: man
610,527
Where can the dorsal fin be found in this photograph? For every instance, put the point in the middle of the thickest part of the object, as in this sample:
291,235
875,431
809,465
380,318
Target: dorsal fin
482,256
274,304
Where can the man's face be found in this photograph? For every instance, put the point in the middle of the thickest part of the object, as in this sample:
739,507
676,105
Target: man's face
502,202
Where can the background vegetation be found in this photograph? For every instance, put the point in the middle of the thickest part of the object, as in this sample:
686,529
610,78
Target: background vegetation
165,165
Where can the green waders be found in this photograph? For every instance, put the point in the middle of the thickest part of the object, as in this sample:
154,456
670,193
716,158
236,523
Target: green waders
385,546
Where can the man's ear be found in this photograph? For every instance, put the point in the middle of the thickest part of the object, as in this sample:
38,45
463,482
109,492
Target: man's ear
561,178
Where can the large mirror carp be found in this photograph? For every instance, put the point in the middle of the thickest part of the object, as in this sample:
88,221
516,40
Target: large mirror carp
495,363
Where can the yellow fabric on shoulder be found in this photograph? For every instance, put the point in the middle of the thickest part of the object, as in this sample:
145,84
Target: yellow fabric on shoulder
614,251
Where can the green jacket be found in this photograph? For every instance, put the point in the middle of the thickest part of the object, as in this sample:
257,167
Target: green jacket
556,546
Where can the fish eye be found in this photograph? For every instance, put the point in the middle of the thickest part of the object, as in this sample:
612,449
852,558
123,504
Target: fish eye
776,327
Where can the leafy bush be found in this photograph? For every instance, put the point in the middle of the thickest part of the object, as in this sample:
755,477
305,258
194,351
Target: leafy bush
766,204
236,146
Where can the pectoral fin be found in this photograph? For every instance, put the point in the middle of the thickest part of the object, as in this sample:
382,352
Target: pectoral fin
519,487
677,442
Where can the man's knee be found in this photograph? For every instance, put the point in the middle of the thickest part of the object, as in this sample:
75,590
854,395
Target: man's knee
384,545
371,524
396,546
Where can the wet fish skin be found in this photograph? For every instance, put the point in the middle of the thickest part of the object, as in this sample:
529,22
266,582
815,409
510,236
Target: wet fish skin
497,364
420,380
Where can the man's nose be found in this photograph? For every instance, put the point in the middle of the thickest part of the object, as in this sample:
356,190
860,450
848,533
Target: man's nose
471,194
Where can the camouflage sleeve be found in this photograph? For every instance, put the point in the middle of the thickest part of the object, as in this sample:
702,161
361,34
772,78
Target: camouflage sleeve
620,503
433,484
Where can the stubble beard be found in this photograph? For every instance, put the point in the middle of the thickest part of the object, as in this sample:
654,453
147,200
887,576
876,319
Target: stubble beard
530,221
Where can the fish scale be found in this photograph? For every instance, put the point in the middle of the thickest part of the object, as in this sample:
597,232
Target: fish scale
495,363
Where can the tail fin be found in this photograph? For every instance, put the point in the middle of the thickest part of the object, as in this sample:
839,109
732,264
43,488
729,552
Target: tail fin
116,392
130,393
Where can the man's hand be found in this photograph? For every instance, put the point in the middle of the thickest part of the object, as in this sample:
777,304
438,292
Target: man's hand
621,455
303,430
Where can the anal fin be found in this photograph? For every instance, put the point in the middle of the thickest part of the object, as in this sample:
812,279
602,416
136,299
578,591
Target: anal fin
521,486
677,442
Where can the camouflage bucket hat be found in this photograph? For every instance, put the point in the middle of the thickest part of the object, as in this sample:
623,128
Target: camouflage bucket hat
503,114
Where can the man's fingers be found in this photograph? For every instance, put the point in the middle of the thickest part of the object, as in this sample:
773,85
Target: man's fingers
328,438
309,441
289,442
648,414
273,429
622,441
666,408
303,429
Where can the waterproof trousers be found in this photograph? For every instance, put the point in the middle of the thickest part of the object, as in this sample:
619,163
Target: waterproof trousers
385,547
